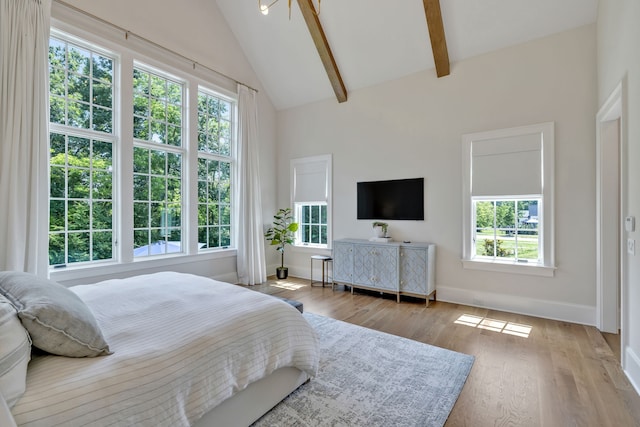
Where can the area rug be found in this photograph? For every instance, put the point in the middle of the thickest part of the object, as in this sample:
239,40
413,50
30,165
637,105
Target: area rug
370,378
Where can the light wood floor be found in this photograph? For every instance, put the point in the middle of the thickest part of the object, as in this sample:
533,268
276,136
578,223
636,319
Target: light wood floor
558,374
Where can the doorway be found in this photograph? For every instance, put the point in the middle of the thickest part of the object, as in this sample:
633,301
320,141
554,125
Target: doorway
611,243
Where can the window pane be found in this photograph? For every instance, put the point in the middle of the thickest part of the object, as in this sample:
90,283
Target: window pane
102,245
79,247
313,224
81,183
57,254
217,191
507,229
102,216
81,87
157,109
158,195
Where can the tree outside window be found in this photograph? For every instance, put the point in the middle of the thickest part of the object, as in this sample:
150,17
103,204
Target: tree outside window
507,229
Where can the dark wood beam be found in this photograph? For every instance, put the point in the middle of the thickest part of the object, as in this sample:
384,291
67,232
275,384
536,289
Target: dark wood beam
317,34
436,34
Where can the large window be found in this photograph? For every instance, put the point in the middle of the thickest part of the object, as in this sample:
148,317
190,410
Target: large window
82,154
105,137
508,200
214,170
311,199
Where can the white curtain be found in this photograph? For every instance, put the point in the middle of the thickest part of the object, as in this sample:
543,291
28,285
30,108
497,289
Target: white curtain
24,116
251,262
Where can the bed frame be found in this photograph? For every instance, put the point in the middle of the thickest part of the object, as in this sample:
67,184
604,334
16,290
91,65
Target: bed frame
245,407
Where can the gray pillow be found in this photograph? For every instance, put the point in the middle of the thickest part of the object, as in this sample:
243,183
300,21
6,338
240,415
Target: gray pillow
57,320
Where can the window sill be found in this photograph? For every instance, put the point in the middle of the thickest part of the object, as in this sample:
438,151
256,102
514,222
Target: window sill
104,269
509,267
310,248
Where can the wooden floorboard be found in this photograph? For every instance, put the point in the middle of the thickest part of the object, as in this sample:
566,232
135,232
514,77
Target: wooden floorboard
557,374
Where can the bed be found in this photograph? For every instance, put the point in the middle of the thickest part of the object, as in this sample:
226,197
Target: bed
184,351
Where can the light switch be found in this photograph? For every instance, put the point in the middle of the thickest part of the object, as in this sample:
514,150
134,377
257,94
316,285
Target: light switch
630,223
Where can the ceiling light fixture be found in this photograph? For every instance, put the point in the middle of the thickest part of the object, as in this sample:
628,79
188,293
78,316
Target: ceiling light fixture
264,8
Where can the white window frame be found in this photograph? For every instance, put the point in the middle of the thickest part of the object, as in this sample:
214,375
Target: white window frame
230,158
546,215
87,133
322,193
132,51
298,207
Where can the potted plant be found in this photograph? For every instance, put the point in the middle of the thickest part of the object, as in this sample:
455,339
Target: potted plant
380,228
281,233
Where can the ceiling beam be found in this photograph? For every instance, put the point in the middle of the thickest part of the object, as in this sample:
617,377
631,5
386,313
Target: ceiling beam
436,34
317,34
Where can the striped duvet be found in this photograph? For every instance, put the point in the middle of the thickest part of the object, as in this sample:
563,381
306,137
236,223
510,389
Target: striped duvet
182,344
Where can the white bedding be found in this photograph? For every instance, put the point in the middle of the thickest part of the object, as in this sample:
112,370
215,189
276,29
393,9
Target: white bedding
182,344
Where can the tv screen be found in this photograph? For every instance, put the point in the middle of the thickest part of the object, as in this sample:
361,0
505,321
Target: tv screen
394,199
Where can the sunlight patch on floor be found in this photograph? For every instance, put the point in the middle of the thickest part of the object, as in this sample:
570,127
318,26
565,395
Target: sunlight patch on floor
287,285
500,326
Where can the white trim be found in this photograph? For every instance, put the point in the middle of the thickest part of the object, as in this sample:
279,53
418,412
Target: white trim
608,271
546,226
632,367
566,312
509,267
150,263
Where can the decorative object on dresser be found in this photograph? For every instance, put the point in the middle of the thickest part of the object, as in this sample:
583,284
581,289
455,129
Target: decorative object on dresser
380,229
393,267
280,234
380,232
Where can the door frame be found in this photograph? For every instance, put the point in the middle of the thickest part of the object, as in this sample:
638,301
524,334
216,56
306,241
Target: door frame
610,271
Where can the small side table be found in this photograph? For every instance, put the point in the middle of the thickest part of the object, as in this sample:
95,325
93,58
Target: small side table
325,268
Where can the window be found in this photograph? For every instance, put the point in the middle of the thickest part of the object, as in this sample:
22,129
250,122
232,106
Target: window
508,200
311,199
214,171
81,162
507,229
104,136
157,164
312,223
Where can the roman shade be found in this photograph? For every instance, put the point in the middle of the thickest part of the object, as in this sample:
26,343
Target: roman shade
508,166
310,178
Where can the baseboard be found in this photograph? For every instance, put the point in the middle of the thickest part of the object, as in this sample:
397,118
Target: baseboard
631,368
575,313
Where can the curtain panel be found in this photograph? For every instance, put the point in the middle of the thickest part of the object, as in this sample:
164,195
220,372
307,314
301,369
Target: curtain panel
24,117
251,263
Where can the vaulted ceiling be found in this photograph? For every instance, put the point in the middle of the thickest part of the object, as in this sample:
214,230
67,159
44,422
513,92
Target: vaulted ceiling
373,41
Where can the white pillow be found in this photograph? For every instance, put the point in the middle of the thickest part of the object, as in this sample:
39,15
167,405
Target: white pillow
15,353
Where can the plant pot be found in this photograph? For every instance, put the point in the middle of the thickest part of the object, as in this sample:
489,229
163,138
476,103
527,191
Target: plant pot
282,272
378,232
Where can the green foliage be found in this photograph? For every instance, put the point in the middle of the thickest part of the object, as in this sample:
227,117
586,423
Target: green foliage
499,250
282,232
81,200
81,87
314,224
383,225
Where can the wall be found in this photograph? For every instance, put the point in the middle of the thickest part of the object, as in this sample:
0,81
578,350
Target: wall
197,30
618,59
412,127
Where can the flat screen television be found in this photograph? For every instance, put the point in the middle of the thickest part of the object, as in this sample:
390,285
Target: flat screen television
398,199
